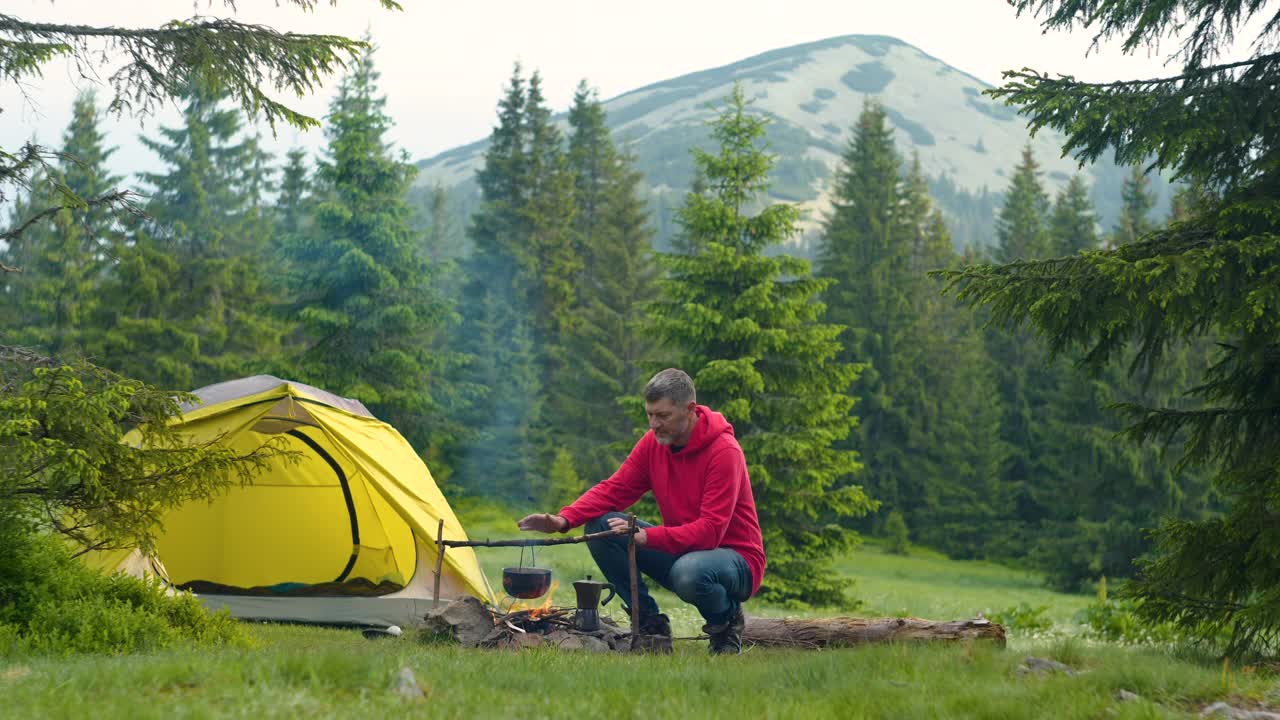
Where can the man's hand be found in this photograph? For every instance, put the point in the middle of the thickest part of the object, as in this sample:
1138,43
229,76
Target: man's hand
620,526
543,522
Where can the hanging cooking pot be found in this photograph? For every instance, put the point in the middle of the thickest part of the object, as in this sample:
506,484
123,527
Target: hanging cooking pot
526,582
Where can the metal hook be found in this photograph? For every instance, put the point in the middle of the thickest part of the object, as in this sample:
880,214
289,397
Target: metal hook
533,556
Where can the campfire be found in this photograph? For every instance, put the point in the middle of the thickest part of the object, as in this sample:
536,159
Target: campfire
524,624
524,617
474,624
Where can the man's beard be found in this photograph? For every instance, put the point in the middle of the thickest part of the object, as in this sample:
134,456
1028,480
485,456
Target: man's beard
671,438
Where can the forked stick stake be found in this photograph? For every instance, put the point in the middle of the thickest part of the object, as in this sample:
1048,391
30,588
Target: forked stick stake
635,580
435,590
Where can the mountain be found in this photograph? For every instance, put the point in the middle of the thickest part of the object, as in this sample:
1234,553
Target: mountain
967,143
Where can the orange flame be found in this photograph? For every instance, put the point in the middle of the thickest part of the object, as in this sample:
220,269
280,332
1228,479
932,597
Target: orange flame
537,609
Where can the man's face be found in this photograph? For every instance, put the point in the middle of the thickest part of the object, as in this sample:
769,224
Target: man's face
671,424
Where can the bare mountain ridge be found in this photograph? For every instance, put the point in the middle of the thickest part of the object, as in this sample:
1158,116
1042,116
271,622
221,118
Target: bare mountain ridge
967,143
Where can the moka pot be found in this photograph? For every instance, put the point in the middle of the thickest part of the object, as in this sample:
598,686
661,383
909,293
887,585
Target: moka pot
587,617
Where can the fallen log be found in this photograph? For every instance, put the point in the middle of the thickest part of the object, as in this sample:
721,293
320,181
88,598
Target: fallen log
848,631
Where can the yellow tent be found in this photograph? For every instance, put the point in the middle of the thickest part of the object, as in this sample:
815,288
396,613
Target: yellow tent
342,533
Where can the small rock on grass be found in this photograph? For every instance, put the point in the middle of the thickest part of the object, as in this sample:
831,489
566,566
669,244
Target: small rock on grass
1127,696
1043,665
519,641
1223,710
407,685
583,642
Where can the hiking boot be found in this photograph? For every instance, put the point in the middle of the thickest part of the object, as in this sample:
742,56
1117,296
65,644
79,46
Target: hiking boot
726,639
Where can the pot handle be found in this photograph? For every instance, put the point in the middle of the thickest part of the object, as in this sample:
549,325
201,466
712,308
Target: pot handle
533,554
611,594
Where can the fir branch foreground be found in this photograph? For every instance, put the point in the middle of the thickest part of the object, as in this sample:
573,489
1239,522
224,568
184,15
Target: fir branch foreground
161,62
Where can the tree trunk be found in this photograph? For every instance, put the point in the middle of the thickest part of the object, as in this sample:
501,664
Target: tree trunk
846,631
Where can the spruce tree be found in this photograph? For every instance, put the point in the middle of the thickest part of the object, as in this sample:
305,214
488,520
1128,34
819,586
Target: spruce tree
1212,273
368,311
748,326
1073,225
922,414
550,283
441,243
1105,494
1189,200
1024,374
618,278
948,399
865,255
292,210
1136,204
500,455
64,257
291,217
188,302
258,181
1097,496
548,217
523,278
1021,227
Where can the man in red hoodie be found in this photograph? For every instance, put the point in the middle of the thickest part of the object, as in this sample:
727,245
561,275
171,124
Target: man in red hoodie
708,549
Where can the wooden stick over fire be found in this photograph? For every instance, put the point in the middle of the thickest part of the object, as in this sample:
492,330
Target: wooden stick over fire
536,542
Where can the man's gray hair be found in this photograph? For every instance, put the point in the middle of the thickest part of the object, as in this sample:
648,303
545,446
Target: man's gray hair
673,384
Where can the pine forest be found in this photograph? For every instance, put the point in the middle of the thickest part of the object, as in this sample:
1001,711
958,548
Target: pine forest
1092,401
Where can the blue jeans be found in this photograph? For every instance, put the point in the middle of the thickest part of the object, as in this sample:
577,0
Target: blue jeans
714,581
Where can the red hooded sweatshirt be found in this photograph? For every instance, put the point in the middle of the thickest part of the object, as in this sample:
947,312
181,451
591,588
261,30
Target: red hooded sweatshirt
703,493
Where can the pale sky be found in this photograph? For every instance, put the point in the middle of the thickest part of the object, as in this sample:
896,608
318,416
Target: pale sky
444,65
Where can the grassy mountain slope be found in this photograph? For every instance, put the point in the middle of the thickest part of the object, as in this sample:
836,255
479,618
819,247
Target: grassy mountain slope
967,143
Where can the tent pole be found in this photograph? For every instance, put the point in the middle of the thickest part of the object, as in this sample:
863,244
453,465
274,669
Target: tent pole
435,590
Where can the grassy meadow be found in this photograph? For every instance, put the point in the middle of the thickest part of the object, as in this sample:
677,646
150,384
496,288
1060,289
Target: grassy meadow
923,584
299,671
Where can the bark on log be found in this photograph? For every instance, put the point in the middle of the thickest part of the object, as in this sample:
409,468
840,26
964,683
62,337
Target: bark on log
847,631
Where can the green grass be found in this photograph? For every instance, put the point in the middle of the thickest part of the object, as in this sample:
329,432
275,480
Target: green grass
927,584
299,671
317,672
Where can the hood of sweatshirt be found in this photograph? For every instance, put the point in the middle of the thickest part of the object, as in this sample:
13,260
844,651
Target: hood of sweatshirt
710,426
